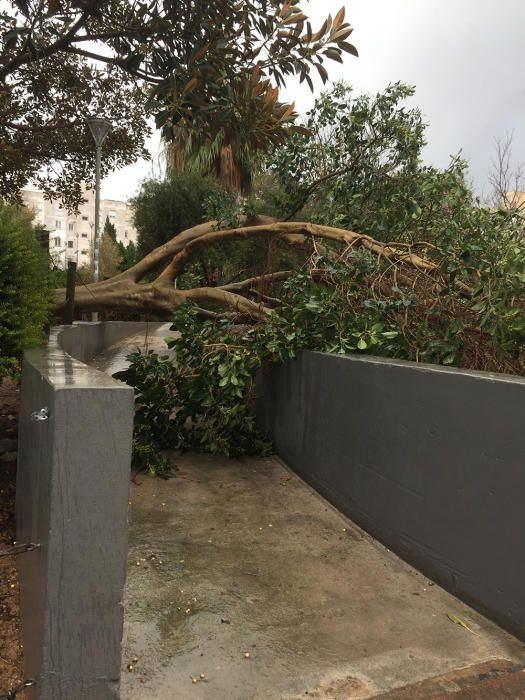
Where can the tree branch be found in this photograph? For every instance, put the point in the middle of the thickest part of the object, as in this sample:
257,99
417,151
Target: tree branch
57,46
350,238
125,291
253,281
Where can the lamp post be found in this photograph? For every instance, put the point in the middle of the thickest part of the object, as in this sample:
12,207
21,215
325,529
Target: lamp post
99,128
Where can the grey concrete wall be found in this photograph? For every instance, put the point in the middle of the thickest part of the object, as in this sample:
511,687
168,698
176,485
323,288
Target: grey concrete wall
85,340
429,460
72,499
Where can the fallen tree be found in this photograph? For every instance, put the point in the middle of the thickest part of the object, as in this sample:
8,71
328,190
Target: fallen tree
351,293
127,291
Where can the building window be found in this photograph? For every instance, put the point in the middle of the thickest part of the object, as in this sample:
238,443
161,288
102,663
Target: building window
58,224
84,218
57,242
125,234
71,227
70,244
84,235
84,252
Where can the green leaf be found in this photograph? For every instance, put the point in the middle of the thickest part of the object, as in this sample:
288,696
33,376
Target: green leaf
322,72
458,621
349,48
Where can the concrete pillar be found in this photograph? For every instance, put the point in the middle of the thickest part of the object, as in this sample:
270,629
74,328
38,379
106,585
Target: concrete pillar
72,499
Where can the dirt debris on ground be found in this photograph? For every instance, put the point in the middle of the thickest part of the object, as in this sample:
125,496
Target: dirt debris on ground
11,669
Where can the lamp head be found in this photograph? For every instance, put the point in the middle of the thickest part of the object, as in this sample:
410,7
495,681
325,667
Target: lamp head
99,128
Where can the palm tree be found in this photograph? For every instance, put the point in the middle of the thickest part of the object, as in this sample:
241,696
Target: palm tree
240,127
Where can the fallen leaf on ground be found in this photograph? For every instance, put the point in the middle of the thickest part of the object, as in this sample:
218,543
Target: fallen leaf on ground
458,621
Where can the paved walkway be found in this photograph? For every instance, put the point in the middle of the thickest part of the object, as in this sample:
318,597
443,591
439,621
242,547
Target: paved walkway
243,583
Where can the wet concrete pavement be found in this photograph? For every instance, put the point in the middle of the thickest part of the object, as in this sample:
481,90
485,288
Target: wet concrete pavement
243,583
240,572
113,359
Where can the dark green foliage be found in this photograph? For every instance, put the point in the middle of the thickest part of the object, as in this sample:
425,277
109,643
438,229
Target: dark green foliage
164,208
128,255
361,169
24,286
110,230
200,397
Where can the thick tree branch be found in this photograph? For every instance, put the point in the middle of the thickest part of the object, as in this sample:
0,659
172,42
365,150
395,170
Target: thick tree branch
125,291
168,250
141,75
53,48
160,299
164,252
350,238
253,281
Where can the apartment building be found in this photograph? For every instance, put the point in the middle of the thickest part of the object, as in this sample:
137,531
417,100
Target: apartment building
71,237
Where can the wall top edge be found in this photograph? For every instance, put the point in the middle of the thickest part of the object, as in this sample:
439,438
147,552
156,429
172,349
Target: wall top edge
62,371
422,367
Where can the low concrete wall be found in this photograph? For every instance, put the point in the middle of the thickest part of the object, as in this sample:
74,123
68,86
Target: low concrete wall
72,499
429,460
85,340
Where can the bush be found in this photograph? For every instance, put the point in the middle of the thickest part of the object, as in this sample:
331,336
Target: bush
164,208
24,286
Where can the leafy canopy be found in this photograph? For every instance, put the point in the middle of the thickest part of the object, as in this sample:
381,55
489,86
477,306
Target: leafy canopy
361,168
182,62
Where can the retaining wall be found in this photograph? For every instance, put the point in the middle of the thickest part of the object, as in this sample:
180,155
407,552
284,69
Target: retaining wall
72,499
429,460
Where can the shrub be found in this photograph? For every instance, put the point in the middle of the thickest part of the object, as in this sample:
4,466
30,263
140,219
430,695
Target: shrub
163,208
24,286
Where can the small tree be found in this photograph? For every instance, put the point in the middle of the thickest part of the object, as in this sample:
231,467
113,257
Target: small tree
109,256
164,208
128,255
110,230
506,178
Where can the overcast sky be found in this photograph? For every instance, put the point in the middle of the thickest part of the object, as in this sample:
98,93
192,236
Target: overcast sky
465,57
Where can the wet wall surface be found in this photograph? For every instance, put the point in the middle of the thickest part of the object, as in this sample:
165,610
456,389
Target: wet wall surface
429,460
84,341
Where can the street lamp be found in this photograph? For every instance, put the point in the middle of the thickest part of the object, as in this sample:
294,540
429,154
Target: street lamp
99,128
